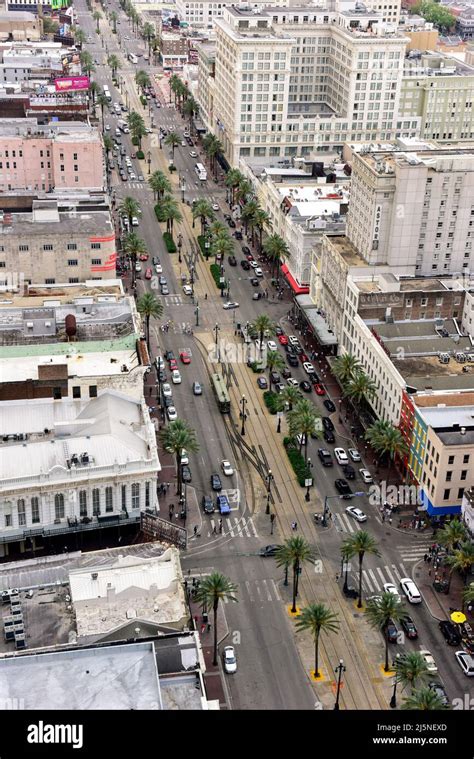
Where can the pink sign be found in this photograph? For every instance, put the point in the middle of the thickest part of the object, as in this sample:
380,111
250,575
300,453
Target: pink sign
71,83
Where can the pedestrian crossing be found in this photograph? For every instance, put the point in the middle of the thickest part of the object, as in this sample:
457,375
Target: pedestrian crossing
234,527
176,300
258,591
415,551
374,579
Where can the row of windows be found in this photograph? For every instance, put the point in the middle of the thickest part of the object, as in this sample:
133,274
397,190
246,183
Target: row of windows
70,246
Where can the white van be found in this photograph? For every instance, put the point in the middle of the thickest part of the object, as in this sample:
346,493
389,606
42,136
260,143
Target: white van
411,591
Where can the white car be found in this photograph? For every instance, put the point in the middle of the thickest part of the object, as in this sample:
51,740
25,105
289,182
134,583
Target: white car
159,269
166,388
429,660
341,456
226,468
411,591
293,340
358,514
466,662
261,346
389,587
292,382
215,206
366,476
133,176
184,457
309,368
193,154
354,454
253,264
258,272
229,305
171,413
148,130
176,377
230,660
107,127
135,221
187,290
272,346
138,267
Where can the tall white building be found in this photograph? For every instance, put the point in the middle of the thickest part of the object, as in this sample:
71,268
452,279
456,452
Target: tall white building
292,80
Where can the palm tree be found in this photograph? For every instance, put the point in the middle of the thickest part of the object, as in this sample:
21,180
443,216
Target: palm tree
171,212
108,146
218,229
134,246
290,395
79,36
410,668
317,618
302,421
294,552
380,611
263,325
233,179
129,207
93,90
275,362
212,147
360,388
248,214
386,440
102,101
149,306
213,589
87,62
190,109
160,184
243,191
174,85
114,63
113,17
203,210
172,140
148,33
223,246
97,16
345,368
360,543
261,220
461,560
142,79
468,594
424,699
176,436
276,249
452,534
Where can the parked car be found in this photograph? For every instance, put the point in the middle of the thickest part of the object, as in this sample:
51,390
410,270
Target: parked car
391,631
262,383
173,365
343,487
327,424
227,468
305,386
230,305
309,368
466,662
410,590
171,413
328,435
429,660
254,282
354,454
216,483
319,389
357,513
238,234
282,339
185,357
349,472
389,587
341,456
325,457
230,660
291,382
292,360
245,264
274,378
232,260
207,504
186,473
187,290
286,374
329,405
450,633
148,274
438,688
366,476
166,390
409,627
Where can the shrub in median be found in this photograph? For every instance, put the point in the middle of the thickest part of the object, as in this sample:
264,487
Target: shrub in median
159,213
169,242
296,460
270,399
201,242
140,154
143,100
216,274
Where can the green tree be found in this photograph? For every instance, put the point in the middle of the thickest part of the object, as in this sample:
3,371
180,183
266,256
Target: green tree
435,14
386,440
172,140
113,18
50,26
424,700
149,306
87,62
379,611
222,245
142,79
79,36
114,63
203,210
97,16
461,560
294,552
148,33
243,191
290,395
302,420
93,90
171,212
137,127
276,249
160,184
264,326
468,594
261,220
275,363
452,534
360,389
108,146
191,110
218,229
212,148
247,215
101,100
129,207
410,668
233,178
317,618
176,436
134,246
345,368
217,587
359,544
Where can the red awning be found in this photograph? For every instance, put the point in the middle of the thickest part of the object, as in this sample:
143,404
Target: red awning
294,284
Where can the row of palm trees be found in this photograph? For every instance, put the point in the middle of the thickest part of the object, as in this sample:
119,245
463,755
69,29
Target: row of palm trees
137,127
183,99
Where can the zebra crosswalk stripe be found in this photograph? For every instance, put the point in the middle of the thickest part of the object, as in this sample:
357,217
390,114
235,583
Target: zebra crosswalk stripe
269,595
275,589
247,585
347,525
259,594
250,521
245,528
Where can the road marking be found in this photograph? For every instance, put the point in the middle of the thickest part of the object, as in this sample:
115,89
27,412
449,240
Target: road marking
405,573
257,588
275,588
381,575
247,585
269,595
231,530
245,527
397,573
255,534
374,579
392,578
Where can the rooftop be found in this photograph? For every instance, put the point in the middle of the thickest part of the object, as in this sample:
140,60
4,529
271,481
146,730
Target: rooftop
347,251
32,224
434,64
60,130
313,199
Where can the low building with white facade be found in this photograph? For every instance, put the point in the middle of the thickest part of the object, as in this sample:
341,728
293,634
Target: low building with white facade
20,61
66,462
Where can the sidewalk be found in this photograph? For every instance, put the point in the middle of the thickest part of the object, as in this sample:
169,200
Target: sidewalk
213,676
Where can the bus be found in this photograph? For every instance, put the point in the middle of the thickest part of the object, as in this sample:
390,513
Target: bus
200,171
221,393
133,58
107,93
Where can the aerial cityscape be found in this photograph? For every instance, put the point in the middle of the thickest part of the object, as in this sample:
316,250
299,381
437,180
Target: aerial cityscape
237,356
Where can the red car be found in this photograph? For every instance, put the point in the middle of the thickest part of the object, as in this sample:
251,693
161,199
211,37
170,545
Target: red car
250,257
185,357
304,358
133,155
143,257
283,340
148,274
173,364
319,390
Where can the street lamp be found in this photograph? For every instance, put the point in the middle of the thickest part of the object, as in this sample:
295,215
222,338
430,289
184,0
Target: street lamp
309,480
243,414
216,330
180,243
279,415
393,700
340,669
149,161
197,314
222,281
269,479
183,188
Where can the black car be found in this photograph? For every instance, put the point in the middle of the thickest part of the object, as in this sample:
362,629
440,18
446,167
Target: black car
343,487
298,349
207,504
391,631
325,457
278,331
168,401
186,473
231,223
349,472
329,405
269,550
313,378
246,250
305,386
216,483
262,383
285,373
274,377
292,359
450,633
437,688
245,264
232,261
238,235
169,355
409,626
155,260
328,435
255,282
327,424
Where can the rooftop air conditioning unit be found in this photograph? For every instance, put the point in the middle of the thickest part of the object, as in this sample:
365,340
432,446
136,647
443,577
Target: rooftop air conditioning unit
443,358
460,357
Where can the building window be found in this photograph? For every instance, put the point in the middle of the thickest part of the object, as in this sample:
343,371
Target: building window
124,498
76,392
95,245
23,248
465,459
109,499
446,494
83,503
35,514
57,394
48,246
449,474
450,459
135,495
21,512
96,261
72,262
463,474
92,391
460,492
72,246
147,495
59,506
8,520
96,502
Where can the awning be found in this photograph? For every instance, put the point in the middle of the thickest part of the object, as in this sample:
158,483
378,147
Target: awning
294,284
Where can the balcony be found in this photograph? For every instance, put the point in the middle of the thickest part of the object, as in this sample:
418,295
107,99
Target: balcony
71,525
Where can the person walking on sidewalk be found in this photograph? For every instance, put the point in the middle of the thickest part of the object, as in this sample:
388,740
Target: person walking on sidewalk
294,526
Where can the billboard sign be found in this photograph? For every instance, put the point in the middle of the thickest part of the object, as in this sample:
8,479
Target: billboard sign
71,83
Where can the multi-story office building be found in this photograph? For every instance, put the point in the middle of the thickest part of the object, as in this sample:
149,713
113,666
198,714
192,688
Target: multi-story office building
58,241
203,13
439,90
58,155
292,80
21,61
412,207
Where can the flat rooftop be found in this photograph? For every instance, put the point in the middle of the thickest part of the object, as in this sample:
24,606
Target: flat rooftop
416,284
61,130
108,362
88,223
347,251
38,296
313,199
